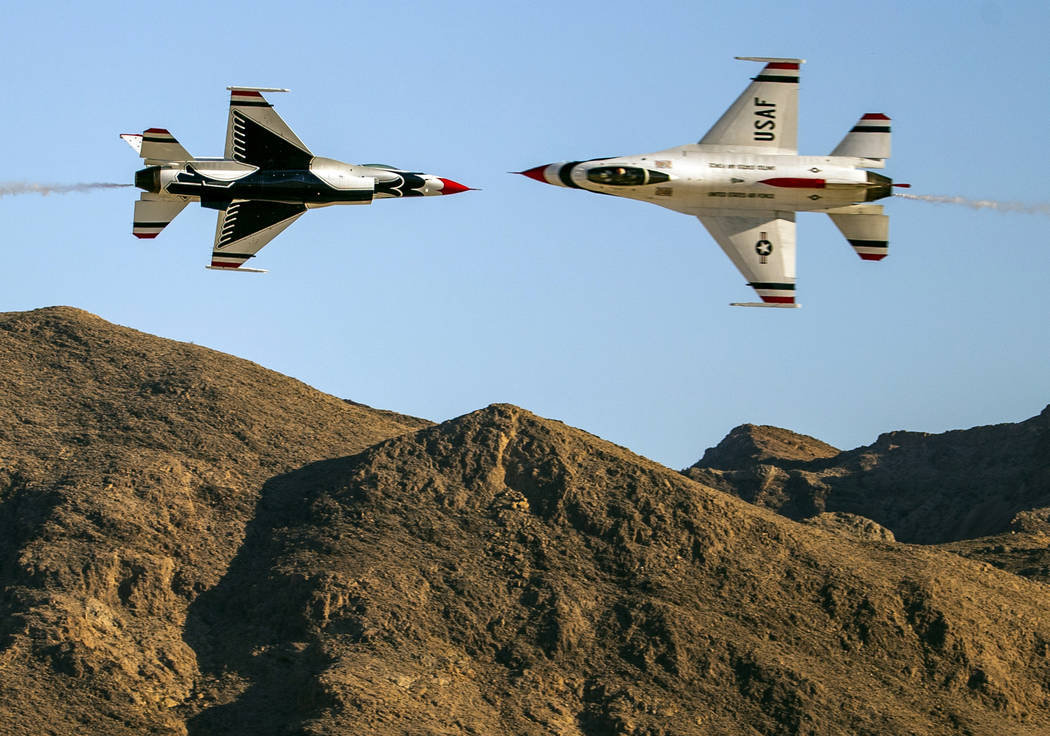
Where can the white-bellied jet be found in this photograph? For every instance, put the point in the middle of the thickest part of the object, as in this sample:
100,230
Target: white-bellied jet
745,181
265,180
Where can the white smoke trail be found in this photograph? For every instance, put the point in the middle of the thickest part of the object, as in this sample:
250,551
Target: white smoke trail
982,204
10,189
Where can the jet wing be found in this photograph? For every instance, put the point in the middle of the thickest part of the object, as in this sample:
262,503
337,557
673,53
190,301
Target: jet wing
244,227
762,247
256,135
764,119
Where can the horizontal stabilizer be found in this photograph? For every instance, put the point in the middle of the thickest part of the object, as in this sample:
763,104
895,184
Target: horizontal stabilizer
134,140
153,214
869,138
158,146
764,304
866,228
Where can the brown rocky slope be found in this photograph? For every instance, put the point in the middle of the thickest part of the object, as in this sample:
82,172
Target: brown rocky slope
129,468
502,573
292,564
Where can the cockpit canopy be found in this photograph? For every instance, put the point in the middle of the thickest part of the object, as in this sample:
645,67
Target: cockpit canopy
625,176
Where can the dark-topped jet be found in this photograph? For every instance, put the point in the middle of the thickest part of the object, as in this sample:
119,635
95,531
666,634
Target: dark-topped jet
265,180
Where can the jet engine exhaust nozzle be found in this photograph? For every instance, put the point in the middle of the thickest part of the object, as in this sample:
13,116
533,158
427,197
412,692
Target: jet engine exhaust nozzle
148,179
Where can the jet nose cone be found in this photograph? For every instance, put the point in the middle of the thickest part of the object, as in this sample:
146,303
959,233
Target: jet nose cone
452,187
535,173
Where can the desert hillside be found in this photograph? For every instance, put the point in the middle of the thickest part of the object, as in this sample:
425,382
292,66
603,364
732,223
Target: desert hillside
130,467
190,544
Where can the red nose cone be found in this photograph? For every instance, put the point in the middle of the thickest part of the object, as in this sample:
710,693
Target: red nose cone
452,187
535,173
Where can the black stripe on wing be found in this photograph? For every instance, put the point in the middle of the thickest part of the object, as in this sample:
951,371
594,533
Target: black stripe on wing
246,218
254,144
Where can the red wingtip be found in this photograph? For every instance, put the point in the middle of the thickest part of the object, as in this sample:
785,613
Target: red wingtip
452,187
903,186
535,173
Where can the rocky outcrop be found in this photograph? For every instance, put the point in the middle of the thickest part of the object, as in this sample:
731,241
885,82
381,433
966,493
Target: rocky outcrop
926,488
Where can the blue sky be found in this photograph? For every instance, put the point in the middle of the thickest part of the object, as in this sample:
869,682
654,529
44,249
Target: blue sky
608,314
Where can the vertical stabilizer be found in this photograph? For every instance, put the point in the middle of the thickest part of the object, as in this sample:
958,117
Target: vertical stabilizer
866,228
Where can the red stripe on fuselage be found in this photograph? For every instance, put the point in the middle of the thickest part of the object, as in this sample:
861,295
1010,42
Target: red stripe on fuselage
875,116
778,299
794,183
781,65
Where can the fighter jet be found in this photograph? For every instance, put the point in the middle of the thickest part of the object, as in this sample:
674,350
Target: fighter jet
745,181
265,180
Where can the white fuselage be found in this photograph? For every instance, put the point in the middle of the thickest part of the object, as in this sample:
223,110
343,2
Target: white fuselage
694,181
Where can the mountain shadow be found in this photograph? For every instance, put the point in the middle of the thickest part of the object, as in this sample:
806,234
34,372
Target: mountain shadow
257,649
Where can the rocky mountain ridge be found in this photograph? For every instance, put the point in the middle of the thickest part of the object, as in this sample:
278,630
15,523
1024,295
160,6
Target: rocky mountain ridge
927,488
190,544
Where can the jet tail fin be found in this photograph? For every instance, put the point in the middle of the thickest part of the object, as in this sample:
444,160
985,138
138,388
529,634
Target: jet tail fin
156,146
865,227
153,213
869,138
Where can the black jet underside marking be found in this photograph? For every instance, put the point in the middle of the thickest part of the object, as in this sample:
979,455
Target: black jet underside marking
254,144
408,184
292,186
243,219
